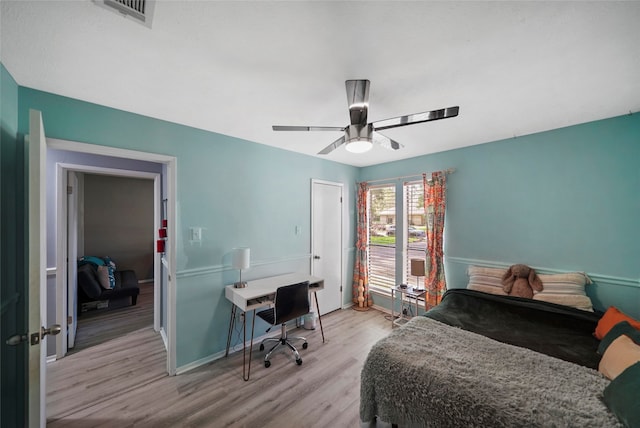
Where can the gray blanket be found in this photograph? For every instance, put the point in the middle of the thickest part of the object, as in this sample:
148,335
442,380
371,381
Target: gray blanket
429,374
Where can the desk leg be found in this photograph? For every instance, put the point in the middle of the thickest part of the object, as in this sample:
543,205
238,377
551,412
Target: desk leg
246,373
231,324
319,317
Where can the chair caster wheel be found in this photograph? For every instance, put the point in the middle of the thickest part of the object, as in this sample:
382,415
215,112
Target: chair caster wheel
305,345
299,361
267,364
261,347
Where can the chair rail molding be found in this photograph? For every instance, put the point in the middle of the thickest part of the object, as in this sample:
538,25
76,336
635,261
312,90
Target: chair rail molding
208,270
595,277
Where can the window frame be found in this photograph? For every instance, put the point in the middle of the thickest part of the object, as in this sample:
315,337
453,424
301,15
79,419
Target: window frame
402,245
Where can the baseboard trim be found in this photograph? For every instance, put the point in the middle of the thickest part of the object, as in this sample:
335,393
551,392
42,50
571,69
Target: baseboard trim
237,348
165,340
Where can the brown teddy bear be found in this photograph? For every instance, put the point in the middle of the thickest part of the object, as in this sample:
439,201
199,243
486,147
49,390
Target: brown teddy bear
520,281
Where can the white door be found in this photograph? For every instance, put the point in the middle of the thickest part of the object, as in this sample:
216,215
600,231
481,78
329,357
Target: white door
326,242
72,256
37,270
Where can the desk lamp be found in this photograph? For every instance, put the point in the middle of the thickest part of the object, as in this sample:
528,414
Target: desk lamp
240,260
417,270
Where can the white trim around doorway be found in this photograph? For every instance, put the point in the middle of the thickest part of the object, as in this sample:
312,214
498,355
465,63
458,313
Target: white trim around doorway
170,256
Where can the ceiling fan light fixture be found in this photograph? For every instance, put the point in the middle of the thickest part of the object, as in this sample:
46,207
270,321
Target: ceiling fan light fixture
358,138
359,145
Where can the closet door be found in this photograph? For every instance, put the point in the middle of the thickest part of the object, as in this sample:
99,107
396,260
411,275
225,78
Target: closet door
326,242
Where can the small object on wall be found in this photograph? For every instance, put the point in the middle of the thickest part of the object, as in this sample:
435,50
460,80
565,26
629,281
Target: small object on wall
161,244
196,234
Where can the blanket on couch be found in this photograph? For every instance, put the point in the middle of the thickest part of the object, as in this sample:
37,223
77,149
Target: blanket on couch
429,374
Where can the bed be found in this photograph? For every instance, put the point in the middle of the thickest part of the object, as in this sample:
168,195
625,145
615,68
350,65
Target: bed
483,360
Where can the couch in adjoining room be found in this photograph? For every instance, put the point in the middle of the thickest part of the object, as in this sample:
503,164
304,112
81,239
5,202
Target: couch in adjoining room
94,295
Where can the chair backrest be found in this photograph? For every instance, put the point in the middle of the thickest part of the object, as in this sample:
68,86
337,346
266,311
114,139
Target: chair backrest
292,301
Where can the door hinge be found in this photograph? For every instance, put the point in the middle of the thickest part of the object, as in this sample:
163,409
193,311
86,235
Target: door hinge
69,320
69,190
340,199
341,288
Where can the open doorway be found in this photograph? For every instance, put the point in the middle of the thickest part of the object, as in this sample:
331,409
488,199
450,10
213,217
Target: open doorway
89,218
124,163
110,217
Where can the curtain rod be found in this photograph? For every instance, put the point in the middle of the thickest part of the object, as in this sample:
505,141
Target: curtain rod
402,177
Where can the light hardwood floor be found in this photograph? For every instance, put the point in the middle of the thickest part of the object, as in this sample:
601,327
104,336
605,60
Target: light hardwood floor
99,326
123,382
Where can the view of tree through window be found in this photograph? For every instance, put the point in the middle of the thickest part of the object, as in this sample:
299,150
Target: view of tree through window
383,233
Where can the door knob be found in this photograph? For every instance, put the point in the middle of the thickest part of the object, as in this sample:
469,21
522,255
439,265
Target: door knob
53,330
16,339
316,257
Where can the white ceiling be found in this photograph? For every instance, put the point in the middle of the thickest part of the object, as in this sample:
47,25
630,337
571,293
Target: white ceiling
237,68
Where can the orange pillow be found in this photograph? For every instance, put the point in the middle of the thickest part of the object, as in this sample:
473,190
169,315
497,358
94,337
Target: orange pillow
610,318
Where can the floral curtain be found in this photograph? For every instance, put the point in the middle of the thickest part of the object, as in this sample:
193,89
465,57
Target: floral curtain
435,201
360,286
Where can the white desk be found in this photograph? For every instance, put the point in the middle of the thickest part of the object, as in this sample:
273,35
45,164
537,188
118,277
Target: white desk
261,293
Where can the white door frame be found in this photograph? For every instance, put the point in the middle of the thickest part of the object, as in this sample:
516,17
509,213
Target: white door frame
62,247
170,255
71,276
342,231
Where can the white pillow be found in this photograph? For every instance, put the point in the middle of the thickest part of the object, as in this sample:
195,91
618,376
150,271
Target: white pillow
565,289
486,279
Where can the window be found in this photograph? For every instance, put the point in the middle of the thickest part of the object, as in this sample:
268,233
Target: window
384,239
382,236
415,224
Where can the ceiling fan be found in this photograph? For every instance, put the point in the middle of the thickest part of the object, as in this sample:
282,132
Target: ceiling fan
359,136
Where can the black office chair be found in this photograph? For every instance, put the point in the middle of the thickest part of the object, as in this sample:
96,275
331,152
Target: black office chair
291,302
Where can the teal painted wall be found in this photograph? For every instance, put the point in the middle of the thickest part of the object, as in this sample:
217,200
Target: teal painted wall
241,194
562,200
12,256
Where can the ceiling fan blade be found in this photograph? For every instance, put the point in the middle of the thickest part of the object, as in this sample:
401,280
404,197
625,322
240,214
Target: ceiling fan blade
385,141
412,119
358,99
306,128
331,147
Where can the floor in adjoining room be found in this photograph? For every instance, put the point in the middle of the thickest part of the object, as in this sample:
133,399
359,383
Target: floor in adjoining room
98,326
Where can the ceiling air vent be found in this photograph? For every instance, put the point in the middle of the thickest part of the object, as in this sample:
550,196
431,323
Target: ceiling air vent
140,10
